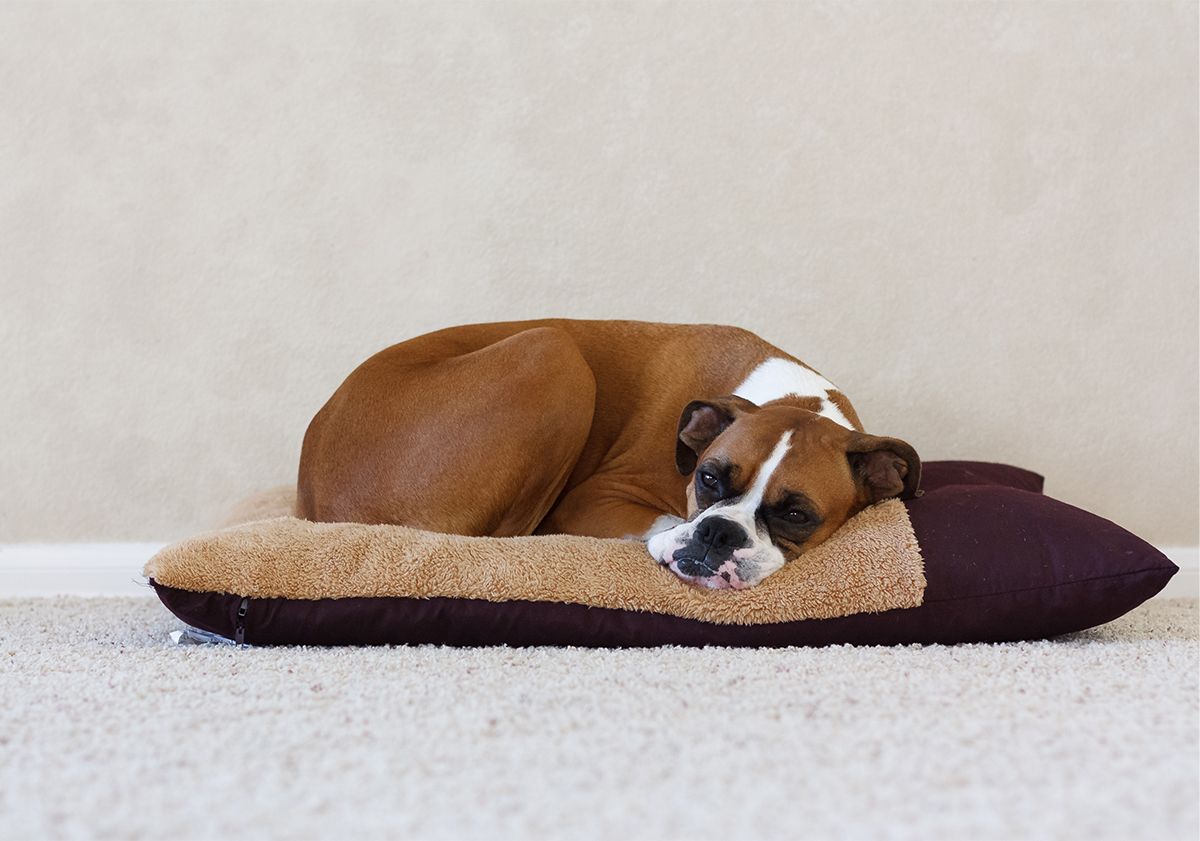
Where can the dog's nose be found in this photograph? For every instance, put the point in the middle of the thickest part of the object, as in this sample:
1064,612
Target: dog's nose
721,534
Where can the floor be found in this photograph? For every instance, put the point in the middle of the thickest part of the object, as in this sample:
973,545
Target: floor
108,730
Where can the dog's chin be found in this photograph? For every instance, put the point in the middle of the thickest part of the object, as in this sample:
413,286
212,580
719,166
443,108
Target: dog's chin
726,578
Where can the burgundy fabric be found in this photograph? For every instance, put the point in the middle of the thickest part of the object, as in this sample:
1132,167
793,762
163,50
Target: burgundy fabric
939,474
1002,562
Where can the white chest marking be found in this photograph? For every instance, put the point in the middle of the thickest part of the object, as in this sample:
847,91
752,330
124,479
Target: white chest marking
778,378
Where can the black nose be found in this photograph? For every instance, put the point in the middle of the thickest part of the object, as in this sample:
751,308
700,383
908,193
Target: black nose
721,534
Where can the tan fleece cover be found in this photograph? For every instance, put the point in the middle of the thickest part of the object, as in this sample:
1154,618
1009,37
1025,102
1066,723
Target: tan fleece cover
871,564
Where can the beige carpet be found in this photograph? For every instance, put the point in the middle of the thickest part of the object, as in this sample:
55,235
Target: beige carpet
107,730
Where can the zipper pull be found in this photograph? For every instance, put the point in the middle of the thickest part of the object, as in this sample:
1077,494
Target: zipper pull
239,631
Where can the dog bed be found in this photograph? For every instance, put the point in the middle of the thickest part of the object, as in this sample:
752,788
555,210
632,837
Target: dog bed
982,556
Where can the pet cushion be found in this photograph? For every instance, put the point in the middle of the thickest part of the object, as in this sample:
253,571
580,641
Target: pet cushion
870,564
1001,562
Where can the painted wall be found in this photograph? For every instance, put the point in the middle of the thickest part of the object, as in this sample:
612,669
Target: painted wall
979,220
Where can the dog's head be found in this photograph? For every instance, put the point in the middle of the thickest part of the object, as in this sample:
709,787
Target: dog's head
769,483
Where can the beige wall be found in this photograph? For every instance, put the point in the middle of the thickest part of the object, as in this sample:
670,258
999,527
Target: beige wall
979,220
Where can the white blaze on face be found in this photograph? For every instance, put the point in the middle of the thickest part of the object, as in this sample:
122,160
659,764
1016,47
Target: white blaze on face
778,378
748,503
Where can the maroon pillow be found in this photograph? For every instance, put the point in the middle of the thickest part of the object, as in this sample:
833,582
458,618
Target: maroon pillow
1002,562
939,474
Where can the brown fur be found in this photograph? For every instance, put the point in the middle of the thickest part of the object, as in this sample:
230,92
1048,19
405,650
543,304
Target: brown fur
552,426
511,428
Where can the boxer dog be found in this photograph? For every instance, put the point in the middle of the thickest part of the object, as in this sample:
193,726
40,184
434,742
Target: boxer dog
726,455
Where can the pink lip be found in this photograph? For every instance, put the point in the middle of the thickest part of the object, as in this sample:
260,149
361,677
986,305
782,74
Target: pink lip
713,582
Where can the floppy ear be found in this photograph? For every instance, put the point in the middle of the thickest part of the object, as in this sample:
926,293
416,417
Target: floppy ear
701,422
883,467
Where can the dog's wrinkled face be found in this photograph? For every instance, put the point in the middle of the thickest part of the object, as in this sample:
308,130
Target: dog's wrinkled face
769,483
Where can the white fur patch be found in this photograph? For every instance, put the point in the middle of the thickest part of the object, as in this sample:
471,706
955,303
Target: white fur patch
778,378
664,522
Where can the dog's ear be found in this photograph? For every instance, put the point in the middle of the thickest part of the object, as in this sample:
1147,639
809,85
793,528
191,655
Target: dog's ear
883,467
701,422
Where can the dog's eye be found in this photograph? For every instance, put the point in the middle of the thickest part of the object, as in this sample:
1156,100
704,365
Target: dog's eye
796,515
708,480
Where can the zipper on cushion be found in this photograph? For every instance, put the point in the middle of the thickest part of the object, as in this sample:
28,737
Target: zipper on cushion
239,630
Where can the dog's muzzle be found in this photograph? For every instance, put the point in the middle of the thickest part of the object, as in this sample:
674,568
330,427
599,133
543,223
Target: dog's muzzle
708,559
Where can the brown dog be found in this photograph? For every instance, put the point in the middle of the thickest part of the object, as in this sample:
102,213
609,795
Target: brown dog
586,427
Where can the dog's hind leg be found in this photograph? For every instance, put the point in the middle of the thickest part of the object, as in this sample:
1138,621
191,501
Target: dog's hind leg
478,441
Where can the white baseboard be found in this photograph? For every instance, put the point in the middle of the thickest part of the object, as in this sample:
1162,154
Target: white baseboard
1184,584
74,569
115,569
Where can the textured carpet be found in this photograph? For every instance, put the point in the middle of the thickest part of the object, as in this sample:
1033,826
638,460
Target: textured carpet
107,730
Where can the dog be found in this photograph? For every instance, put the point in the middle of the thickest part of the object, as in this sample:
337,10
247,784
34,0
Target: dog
726,455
